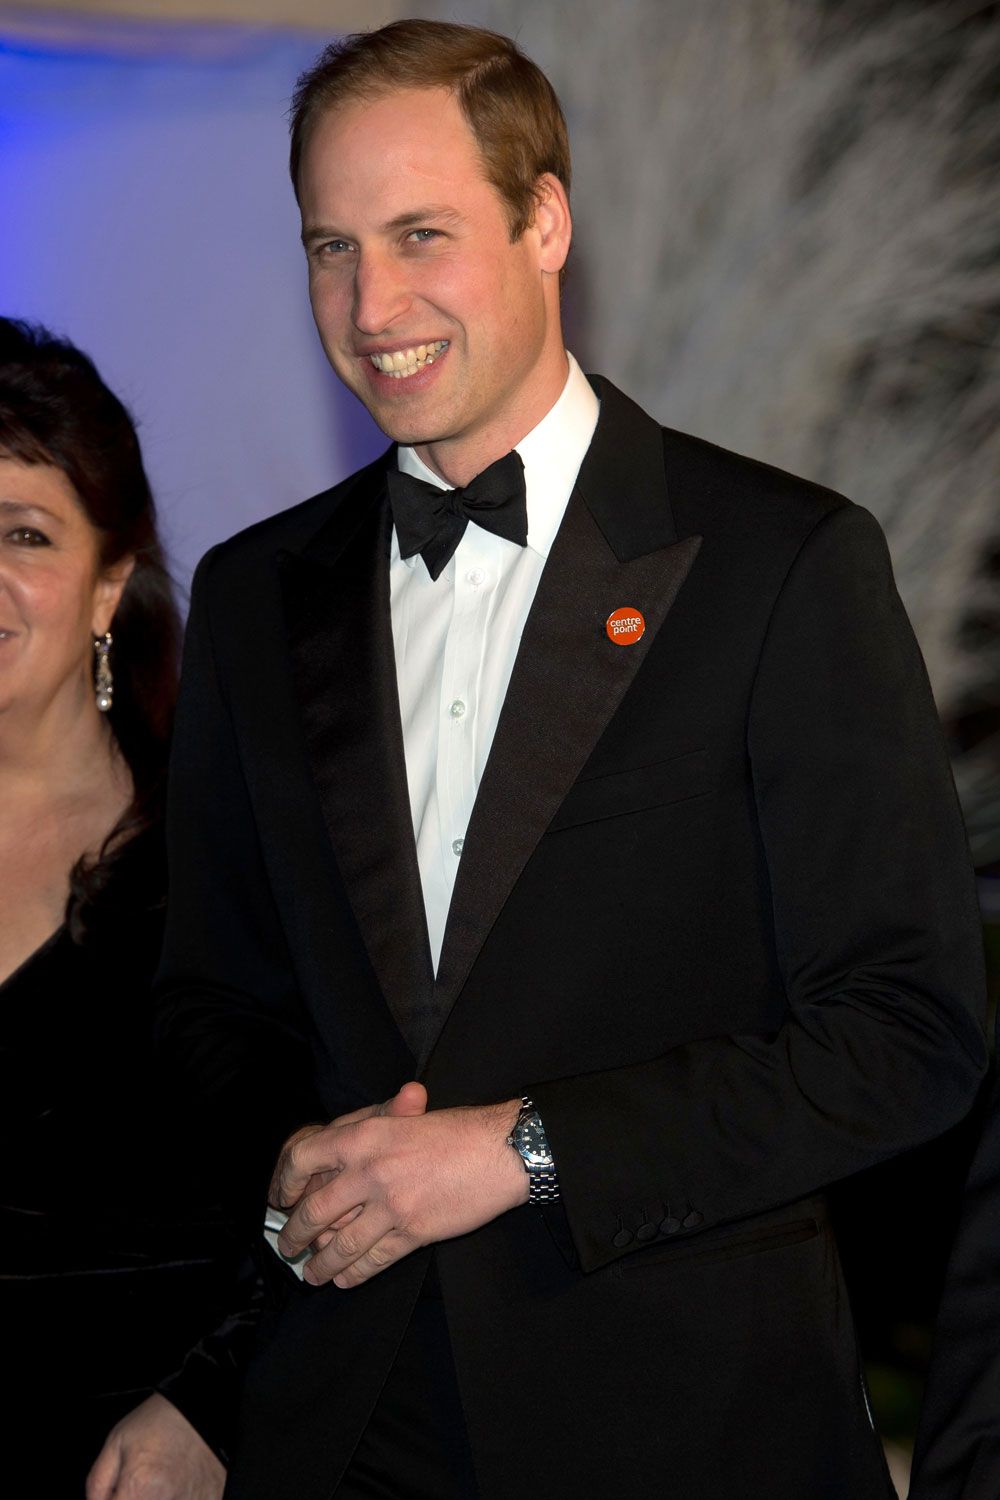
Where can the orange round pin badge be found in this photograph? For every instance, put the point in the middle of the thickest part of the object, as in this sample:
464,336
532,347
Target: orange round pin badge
625,626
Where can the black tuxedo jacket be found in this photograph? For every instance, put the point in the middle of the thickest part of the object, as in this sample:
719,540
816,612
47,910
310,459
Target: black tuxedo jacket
957,1454
714,914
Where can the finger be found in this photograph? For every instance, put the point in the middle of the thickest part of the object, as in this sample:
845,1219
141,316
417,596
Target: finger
319,1180
359,1114
104,1473
316,1181
347,1218
302,1156
383,1254
313,1151
323,1239
280,1192
347,1246
306,1165
315,1213
411,1100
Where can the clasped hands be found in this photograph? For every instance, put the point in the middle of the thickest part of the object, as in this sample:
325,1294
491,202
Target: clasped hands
377,1184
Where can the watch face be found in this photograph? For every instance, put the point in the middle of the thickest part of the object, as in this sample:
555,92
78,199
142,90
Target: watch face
532,1143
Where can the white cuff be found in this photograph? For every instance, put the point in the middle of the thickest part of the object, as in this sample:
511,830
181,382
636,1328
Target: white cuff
274,1223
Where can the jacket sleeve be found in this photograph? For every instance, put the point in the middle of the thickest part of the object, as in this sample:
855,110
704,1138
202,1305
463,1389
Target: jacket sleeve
957,1455
875,932
206,1388
229,1015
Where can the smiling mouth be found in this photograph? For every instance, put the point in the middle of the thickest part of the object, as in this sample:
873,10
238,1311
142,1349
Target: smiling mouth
402,363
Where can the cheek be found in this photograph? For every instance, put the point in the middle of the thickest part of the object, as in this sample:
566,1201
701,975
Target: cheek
521,305
464,284
39,596
57,603
330,299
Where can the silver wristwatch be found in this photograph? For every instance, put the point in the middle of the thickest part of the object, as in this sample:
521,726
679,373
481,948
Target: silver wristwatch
529,1140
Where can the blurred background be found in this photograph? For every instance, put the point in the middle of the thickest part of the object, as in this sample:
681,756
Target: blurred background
787,241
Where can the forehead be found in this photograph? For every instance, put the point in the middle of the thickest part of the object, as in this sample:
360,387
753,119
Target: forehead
379,155
43,485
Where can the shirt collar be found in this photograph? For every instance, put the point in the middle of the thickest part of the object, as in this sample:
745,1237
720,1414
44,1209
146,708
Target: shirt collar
551,453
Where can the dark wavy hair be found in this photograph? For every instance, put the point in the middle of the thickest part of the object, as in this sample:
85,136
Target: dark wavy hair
55,409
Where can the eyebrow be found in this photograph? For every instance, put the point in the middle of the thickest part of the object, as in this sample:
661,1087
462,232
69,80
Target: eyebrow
25,507
412,219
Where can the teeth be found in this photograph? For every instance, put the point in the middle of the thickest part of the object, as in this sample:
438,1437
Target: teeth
403,362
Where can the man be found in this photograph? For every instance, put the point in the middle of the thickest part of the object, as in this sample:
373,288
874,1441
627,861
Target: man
598,849
957,1455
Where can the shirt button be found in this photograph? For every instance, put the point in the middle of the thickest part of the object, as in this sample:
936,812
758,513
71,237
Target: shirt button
458,846
457,709
476,576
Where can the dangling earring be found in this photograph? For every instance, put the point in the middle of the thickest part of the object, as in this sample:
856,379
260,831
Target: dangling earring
104,683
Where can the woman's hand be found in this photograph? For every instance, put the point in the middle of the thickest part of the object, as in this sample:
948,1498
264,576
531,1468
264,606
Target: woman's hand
155,1454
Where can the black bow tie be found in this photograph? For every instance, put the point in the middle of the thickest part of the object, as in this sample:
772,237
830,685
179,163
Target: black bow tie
433,521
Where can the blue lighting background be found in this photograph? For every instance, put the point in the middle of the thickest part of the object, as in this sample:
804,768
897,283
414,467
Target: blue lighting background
146,213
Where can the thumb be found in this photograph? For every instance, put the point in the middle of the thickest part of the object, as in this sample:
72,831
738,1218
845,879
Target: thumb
104,1475
411,1100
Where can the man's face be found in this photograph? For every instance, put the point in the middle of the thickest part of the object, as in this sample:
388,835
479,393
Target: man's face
444,328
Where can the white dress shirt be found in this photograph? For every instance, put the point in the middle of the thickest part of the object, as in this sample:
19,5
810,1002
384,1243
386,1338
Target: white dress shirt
455,642
456,638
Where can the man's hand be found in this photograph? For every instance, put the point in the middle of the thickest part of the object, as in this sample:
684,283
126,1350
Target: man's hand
155,1454
374,1185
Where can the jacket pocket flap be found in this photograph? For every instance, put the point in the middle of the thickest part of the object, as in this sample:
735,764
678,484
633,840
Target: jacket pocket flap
673,780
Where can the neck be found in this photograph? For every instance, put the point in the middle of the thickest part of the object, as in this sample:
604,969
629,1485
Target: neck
65,751
458,460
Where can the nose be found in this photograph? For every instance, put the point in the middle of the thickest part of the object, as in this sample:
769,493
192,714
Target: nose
381,293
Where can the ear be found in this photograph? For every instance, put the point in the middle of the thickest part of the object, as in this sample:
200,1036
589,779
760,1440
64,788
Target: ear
108,591
553,223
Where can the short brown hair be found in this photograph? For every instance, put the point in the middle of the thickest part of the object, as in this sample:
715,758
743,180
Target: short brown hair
510,105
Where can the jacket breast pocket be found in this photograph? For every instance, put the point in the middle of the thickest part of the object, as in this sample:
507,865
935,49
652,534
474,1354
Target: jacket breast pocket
677,779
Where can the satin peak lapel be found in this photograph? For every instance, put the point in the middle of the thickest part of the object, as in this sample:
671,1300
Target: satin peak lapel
617,546
336,599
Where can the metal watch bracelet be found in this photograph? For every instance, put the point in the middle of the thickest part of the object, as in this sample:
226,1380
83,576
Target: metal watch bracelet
543,1180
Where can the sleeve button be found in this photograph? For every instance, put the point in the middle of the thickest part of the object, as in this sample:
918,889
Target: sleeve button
669,1225
646,1232
622,1238
693,1219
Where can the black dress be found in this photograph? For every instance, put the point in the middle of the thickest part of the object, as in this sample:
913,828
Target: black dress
117,1274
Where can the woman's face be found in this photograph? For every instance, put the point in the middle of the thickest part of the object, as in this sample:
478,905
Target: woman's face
54,597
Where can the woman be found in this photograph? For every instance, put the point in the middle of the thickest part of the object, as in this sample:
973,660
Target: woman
107,1275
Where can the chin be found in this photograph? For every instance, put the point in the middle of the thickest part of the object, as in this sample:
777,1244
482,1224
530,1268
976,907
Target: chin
396,428
428,417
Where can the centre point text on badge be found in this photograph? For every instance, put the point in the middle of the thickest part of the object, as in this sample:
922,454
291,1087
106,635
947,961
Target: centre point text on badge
625,626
